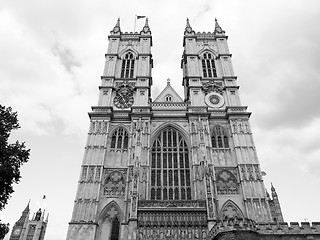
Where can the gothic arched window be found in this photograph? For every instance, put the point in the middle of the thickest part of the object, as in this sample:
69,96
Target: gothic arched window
127,67
219,138
170,168
208,65
115,229
119,140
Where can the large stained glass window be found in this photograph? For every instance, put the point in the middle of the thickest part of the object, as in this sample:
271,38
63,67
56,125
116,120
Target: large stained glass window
170,167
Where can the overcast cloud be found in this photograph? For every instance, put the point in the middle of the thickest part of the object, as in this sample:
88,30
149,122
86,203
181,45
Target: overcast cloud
52,57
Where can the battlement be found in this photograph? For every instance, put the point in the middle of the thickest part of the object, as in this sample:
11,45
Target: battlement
283,228
292,228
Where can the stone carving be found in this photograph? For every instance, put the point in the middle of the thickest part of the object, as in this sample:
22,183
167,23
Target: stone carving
250,172
124,95
112,213
172,204
115,184
167,225
258,175
240,126
98,173
211,86
230,210
226,183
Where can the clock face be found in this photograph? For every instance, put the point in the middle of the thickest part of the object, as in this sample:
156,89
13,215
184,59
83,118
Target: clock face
17,231
214,100
123,101
124,97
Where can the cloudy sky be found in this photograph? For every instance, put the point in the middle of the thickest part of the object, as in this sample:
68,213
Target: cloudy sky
52,57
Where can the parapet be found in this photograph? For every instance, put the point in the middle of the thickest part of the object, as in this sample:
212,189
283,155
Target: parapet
271,230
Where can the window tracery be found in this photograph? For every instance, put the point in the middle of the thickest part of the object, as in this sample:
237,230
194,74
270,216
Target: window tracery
208,65
226,183
219,138
231,210
119,140
114,184
170,170
127,68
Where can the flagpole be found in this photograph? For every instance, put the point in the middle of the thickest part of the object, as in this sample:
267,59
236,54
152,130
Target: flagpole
135,20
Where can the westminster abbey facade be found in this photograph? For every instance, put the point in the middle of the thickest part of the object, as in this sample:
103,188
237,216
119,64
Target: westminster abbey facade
170,167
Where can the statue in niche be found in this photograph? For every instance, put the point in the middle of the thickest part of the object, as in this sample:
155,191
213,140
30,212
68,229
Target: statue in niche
196,233
204,234
193,128
38,215
133,128
161,235
235,130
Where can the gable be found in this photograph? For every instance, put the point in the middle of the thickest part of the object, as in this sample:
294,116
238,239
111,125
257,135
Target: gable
168,94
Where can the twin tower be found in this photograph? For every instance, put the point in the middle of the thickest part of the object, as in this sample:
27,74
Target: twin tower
172,167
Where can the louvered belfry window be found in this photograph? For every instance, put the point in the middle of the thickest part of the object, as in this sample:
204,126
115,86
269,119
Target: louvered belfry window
208,66
127,67
170,168
119,140
219,138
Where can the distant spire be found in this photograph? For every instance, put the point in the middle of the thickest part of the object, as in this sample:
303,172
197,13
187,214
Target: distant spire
25,214
27,209
217,28
188,24
118,23
116,29
188,29
146,28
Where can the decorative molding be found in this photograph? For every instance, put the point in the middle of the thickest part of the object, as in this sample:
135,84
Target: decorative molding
226,182
172,204
115,182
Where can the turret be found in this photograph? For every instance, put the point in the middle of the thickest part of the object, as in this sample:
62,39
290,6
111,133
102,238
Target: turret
116,29
218,29
275,208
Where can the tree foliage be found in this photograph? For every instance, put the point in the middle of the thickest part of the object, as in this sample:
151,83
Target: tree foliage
12,156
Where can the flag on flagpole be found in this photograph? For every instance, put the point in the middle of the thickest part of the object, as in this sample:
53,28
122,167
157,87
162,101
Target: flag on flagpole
44,197
138,17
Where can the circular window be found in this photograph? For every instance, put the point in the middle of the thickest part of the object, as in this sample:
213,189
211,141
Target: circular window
214,100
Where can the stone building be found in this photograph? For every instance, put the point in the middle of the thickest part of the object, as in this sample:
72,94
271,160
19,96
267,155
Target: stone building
173,167
26,229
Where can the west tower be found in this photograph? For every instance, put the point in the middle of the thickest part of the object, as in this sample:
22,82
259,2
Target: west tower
172,168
